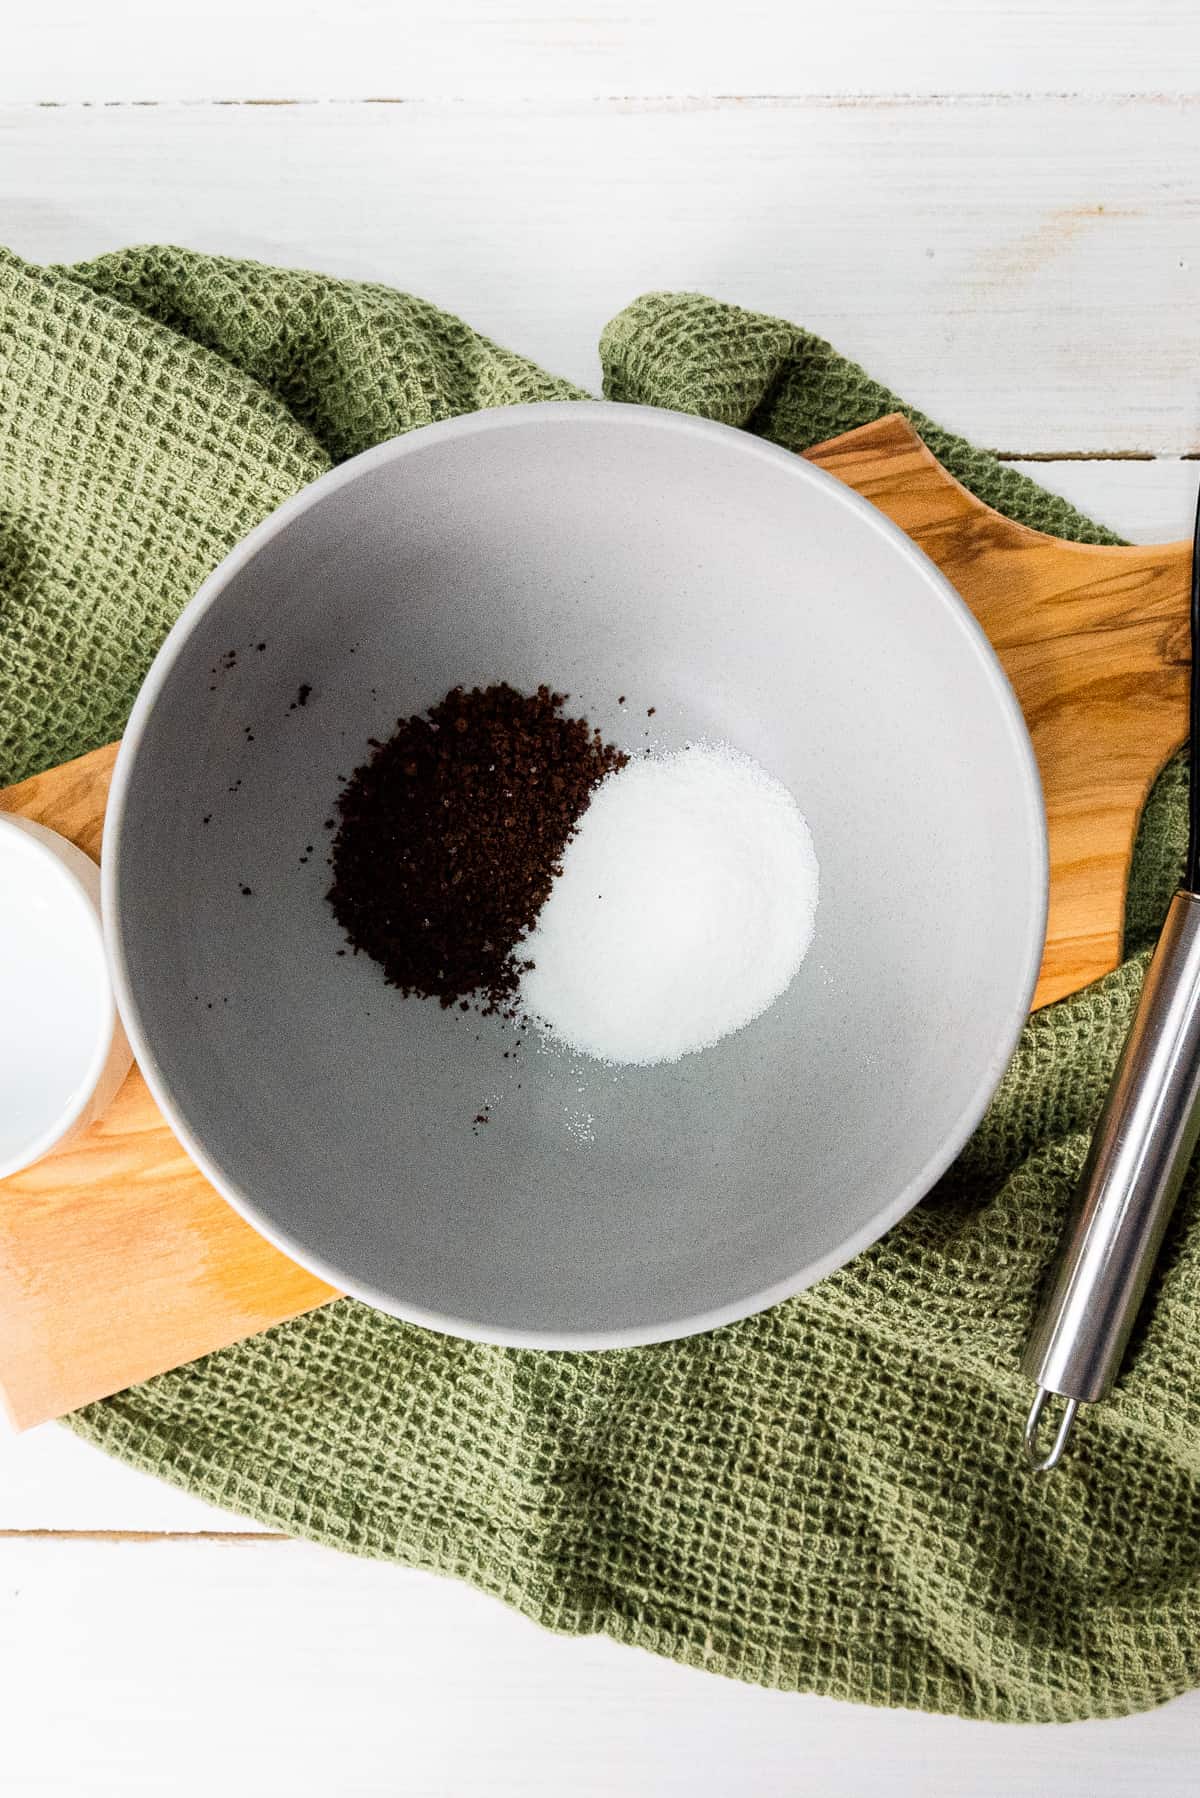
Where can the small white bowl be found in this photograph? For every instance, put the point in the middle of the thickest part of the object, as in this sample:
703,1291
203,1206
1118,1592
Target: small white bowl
63,1052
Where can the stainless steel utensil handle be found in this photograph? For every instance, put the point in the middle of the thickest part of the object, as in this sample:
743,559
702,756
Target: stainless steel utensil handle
1139,1154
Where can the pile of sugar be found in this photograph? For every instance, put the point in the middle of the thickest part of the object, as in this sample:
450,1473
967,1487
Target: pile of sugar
685,905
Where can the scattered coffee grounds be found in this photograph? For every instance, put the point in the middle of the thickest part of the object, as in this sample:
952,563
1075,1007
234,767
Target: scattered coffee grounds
450,837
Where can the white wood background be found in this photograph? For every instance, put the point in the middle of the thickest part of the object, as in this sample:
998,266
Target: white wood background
995,204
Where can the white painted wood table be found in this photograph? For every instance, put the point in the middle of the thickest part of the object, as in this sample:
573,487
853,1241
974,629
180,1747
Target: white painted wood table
994,205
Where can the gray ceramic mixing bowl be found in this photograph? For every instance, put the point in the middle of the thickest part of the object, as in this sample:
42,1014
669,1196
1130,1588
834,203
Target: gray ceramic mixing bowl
609,551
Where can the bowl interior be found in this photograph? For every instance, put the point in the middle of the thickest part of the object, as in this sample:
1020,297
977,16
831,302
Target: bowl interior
608,551
56,1014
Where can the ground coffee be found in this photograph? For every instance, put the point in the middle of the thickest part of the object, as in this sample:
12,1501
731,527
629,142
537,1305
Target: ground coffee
450,836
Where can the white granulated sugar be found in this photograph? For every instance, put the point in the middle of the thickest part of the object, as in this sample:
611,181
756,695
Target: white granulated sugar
684,908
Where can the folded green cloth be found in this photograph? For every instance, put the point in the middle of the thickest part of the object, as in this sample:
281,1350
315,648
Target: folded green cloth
828,1497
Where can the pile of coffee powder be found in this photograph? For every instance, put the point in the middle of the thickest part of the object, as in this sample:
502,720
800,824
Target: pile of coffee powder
450,837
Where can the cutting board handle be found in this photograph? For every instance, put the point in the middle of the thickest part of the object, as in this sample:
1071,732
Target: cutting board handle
1093,637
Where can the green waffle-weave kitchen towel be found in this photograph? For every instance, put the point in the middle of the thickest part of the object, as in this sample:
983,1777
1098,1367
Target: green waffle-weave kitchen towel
828,1497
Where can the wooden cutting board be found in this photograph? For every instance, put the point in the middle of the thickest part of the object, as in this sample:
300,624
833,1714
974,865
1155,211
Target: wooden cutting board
118,1260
